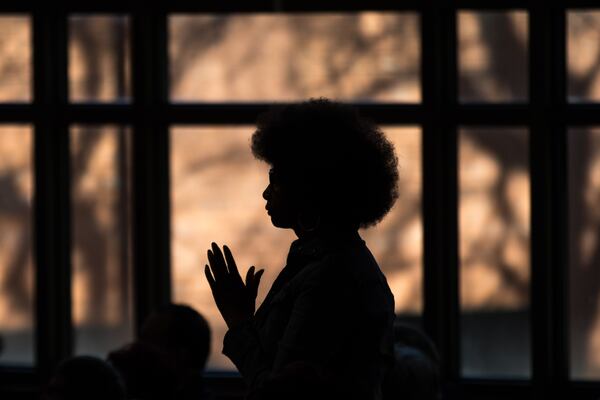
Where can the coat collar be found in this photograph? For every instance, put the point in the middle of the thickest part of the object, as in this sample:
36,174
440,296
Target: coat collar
316,245
303,250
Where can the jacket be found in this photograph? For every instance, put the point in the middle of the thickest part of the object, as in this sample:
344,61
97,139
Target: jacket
330,308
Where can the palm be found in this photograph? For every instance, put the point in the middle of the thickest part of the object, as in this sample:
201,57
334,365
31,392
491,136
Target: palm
235,299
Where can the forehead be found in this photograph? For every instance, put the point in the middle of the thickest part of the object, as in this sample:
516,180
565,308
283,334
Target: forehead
274,173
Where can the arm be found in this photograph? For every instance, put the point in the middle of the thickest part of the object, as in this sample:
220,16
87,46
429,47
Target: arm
242,345
312,336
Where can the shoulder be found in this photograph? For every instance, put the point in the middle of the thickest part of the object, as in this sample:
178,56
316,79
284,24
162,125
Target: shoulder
349,269
356,263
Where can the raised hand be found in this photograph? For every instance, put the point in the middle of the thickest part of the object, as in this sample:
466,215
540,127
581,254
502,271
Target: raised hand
236,301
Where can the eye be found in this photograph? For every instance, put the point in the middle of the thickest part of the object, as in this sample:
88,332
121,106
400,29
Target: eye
273,176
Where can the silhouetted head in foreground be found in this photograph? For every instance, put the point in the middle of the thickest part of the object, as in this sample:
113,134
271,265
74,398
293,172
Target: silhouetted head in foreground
330,166
415,375
168,358
85,377
181,331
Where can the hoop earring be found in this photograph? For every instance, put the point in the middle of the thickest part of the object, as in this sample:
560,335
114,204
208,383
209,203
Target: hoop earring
312,228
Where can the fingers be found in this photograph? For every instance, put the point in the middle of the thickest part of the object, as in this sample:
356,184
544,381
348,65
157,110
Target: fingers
218,256
258,276
222,266
249,276
256,282
231,263
209,277
216,270
217,262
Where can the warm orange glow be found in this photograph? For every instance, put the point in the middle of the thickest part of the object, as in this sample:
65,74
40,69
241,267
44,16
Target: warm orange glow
486,41
494,219
15,59
217,196
101,283
99,58
583,52
217,185
16,264
367,56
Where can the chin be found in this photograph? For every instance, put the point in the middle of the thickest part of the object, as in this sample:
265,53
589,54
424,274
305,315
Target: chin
279,223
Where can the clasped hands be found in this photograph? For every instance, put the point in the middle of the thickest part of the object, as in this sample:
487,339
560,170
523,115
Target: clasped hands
235,299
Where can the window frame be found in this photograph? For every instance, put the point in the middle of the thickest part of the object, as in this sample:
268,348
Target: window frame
547,114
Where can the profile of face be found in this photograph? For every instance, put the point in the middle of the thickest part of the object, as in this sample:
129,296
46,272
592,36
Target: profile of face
280,205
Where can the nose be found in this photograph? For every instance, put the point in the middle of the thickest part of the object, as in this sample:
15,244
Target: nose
267,192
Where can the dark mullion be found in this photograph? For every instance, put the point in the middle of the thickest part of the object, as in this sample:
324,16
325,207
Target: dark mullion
232,113
579,4
52,193
347,5
488,389
547,169
162,158
583,390
150,166
246,113
118,6
581,114
494,5
241,114
18,383
540,285
560,297
491,114
216,6
100,113
16,113
441,312
451,312
16,6
281,5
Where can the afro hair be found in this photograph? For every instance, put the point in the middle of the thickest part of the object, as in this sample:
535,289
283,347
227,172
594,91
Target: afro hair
331,157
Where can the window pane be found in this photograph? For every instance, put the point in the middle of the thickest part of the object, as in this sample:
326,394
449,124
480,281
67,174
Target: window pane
584,251
583,51
101,259
15,58
486,43
216,195
262,57
99,61
397,241
494,225
16,264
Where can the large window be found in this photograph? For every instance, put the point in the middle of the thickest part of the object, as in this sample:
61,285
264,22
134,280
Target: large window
124,151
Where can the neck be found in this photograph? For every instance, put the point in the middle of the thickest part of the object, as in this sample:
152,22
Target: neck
323,230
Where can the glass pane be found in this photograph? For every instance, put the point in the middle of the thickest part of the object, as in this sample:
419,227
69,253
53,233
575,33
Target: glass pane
101,258
263,57
216,195
99,59
15,58
492,56
584,251
494,227
583,52
397,241
16,263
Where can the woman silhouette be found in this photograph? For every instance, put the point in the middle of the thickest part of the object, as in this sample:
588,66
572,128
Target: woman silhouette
326,326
